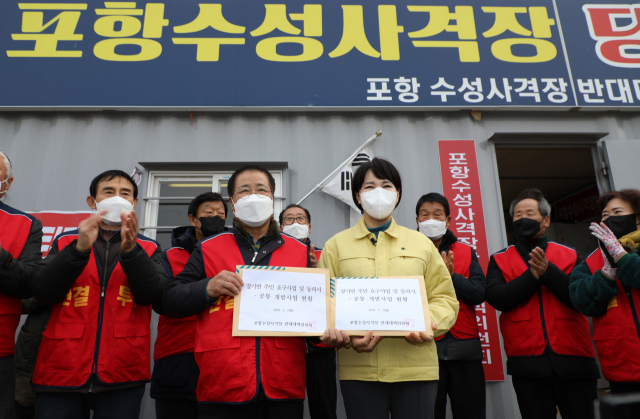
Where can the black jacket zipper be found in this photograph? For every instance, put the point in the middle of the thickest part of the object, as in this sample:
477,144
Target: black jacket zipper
634,313
544,325
547,344
103,286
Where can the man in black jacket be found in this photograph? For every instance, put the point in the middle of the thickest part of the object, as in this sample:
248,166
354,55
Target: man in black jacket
549,351
175,372
109,242
459,350
20,250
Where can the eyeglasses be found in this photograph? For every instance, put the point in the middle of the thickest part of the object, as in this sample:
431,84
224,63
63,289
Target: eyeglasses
291,220
244,191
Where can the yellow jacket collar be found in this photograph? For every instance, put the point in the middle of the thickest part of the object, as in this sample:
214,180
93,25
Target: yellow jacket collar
362,230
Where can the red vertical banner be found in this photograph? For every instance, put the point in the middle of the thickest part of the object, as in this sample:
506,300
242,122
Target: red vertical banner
461,186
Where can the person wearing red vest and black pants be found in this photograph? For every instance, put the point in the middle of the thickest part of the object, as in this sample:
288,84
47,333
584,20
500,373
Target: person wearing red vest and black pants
241,377
550,356
20,250
607,287
175,372
322,387
459,350
101,281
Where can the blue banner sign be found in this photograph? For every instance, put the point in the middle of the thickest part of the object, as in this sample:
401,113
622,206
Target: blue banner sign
331,54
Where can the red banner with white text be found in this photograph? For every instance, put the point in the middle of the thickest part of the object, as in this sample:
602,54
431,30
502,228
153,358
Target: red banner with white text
461,186
56,222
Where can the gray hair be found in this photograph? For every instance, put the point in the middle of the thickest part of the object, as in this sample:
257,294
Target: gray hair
532,193
7,165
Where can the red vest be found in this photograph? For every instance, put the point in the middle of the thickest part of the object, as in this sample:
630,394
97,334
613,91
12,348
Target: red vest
95,332
543,320
175,336
232,367
14,230
466,326
615,333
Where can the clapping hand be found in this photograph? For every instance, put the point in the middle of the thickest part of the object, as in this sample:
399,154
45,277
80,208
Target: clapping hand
539,263
312,257
607,270
448,260
602,233
128,231
88,231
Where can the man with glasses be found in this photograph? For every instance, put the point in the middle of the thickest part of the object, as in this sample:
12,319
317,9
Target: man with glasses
241,377
322,390
296,221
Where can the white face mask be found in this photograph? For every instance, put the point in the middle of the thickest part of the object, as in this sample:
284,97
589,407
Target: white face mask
434,229
115,205
253,210
379,203
299,231
6,190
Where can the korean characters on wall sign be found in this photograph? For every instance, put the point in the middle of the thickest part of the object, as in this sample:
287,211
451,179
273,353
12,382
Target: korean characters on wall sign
534,53
143,24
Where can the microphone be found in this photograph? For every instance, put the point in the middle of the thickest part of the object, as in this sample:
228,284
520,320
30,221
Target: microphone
374,241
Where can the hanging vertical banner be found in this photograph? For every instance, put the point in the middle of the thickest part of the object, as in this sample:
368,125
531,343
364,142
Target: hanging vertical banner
56,222
461,186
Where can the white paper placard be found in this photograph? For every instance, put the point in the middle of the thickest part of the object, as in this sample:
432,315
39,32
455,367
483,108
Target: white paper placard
393,304
281,301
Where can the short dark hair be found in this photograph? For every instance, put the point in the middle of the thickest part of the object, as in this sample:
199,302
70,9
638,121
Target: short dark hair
433,197
206,197
231,184
108,175
532,193
382,169
632,196
306,211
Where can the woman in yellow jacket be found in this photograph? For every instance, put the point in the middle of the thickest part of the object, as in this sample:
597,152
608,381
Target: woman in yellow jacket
397,375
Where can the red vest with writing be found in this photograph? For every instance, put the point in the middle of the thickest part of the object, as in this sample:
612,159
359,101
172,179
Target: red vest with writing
232,367
14,230
466,326
175,336
93,334
543,318
615,333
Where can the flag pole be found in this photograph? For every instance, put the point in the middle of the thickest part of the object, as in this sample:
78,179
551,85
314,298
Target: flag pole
321,184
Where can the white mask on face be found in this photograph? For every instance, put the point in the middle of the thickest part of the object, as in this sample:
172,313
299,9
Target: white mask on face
434,229
253,210
5,191
299,231
115,205
379,203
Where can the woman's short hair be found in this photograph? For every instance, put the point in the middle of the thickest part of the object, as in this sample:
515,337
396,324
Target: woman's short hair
632,196
382,169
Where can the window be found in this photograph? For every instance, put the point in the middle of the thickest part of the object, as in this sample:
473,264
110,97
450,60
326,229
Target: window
170,192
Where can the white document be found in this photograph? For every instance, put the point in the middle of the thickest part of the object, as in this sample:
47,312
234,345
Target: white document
278,301
379,304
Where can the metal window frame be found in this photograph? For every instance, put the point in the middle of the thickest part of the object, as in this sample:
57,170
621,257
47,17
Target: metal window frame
156,177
